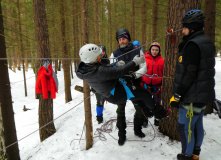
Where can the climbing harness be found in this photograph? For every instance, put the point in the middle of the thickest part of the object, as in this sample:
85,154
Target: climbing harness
124,83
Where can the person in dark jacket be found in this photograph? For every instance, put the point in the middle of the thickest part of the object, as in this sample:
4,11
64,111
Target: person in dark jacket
133,77
106,80
193,83
99,97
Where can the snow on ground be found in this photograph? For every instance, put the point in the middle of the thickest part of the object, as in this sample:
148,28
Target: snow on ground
66,144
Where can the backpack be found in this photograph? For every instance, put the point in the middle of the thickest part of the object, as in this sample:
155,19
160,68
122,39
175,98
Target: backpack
217,107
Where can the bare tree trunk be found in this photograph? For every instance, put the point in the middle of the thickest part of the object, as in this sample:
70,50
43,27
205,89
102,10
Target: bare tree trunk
144,21
96,27
210,24
155,18
42,38
178,8
7,122
87,102
65,63
22,47
115,22
110,24
133,21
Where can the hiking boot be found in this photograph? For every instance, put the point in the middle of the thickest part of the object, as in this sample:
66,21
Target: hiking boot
121,141
139,134
145,123
100,119
196,153
195,157
156,122
184,157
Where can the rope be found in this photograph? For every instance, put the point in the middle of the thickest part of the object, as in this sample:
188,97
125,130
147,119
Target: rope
168,33
189,114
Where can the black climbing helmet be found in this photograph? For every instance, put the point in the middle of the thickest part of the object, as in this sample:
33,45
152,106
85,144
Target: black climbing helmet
194,15
102,47
122,31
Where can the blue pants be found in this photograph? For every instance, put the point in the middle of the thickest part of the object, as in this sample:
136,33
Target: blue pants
197,134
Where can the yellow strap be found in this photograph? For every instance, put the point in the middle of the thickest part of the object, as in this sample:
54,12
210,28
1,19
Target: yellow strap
189,114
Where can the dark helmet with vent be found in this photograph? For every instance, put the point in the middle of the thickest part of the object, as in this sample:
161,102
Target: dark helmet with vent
194,16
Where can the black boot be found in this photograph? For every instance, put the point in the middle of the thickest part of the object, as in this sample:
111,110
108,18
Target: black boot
160,112
156,122
121,125
138,127
100,119
145,123
184,157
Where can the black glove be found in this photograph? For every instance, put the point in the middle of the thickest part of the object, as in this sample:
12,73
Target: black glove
175,101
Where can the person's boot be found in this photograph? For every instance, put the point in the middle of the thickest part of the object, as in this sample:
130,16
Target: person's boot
145,123
196,153
184,157
160,112
138,127
156,122
100,119
121,125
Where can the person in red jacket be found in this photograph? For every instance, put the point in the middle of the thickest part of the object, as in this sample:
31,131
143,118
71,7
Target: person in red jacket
153,79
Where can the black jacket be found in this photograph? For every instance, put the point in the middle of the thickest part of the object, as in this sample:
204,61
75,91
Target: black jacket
102,77
194,81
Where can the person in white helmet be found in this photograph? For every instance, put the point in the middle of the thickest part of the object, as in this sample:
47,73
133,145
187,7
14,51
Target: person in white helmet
106,80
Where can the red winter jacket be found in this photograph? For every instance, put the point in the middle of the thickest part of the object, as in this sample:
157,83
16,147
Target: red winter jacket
45,82
154,66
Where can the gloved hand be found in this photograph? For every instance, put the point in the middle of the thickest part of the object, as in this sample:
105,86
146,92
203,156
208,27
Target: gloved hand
138,60
175,101
120,63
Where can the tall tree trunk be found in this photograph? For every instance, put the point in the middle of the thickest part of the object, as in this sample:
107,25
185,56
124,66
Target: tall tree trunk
110,25
22,47
155,18
7,122
65,63
115,23
210,24
42,38
133,21
87,100
144,21
178,8
96,26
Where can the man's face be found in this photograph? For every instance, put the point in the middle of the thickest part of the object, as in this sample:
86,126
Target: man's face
186,31
154,51
136,46
123,42
102,53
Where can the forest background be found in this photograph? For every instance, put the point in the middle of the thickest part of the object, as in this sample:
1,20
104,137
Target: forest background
56,29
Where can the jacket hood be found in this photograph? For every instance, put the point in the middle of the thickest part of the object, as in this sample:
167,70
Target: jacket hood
85,70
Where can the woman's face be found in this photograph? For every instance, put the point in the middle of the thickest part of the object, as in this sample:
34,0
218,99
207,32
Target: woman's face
154,51
185,31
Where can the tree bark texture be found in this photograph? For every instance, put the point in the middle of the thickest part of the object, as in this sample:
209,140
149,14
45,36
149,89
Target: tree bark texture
65,63
87,102
96,26
7,122
168,126
42,37
144,22
22,47
155,18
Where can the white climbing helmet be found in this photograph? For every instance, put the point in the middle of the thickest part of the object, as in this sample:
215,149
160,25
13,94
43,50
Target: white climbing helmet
89,53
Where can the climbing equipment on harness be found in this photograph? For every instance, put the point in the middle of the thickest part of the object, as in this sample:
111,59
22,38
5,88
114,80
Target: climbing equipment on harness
124,83
189,114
